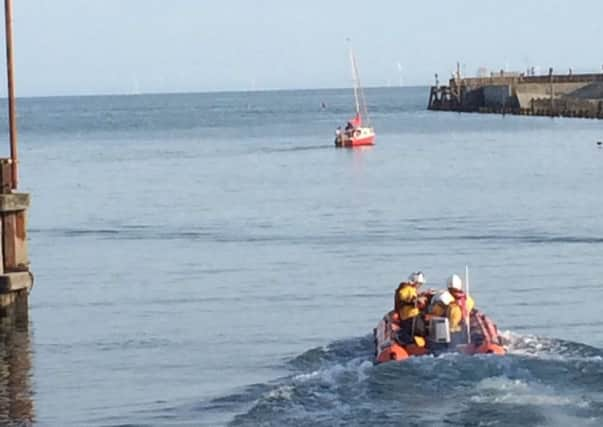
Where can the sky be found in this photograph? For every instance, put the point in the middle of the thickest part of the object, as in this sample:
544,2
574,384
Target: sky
76,47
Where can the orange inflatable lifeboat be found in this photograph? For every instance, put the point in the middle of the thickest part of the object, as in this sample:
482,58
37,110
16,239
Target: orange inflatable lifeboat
484,338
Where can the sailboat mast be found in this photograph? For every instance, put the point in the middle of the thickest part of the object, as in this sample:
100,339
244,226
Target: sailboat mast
362,98
355,79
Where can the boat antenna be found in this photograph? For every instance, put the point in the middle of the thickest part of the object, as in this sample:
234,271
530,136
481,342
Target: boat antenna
467,320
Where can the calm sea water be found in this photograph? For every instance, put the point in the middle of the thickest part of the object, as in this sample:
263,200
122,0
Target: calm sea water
212,259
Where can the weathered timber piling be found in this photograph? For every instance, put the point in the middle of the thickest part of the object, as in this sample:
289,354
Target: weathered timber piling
571,95
16,403
15,278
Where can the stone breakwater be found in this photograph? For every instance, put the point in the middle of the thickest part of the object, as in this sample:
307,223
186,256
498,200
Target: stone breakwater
572,95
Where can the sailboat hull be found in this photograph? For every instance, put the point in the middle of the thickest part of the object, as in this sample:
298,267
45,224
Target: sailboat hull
360,137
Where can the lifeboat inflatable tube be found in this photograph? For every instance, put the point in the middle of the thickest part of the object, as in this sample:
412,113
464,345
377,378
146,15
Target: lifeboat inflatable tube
485,348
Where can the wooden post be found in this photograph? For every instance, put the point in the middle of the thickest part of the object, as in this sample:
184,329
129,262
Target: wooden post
552,96
12,117
15,277
430,103
13,208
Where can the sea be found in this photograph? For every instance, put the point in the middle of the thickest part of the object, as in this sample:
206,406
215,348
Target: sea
211,259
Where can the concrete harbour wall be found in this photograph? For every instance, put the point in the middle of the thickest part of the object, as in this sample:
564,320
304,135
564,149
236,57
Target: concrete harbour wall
551,95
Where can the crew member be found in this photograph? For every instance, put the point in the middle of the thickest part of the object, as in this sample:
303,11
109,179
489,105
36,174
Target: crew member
459,309
439,304
408,306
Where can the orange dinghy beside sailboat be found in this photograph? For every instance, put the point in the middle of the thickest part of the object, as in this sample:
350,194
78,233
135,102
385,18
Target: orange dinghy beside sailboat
356,133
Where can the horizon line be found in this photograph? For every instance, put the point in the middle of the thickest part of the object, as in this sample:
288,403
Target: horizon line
206,92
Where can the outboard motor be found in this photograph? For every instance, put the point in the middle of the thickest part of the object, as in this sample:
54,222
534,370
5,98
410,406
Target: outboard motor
439,334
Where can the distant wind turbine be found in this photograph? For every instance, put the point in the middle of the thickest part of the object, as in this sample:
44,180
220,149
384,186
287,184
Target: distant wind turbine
135,87
399,72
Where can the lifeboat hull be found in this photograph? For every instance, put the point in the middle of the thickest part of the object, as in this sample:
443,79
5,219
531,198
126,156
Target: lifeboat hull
388,349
